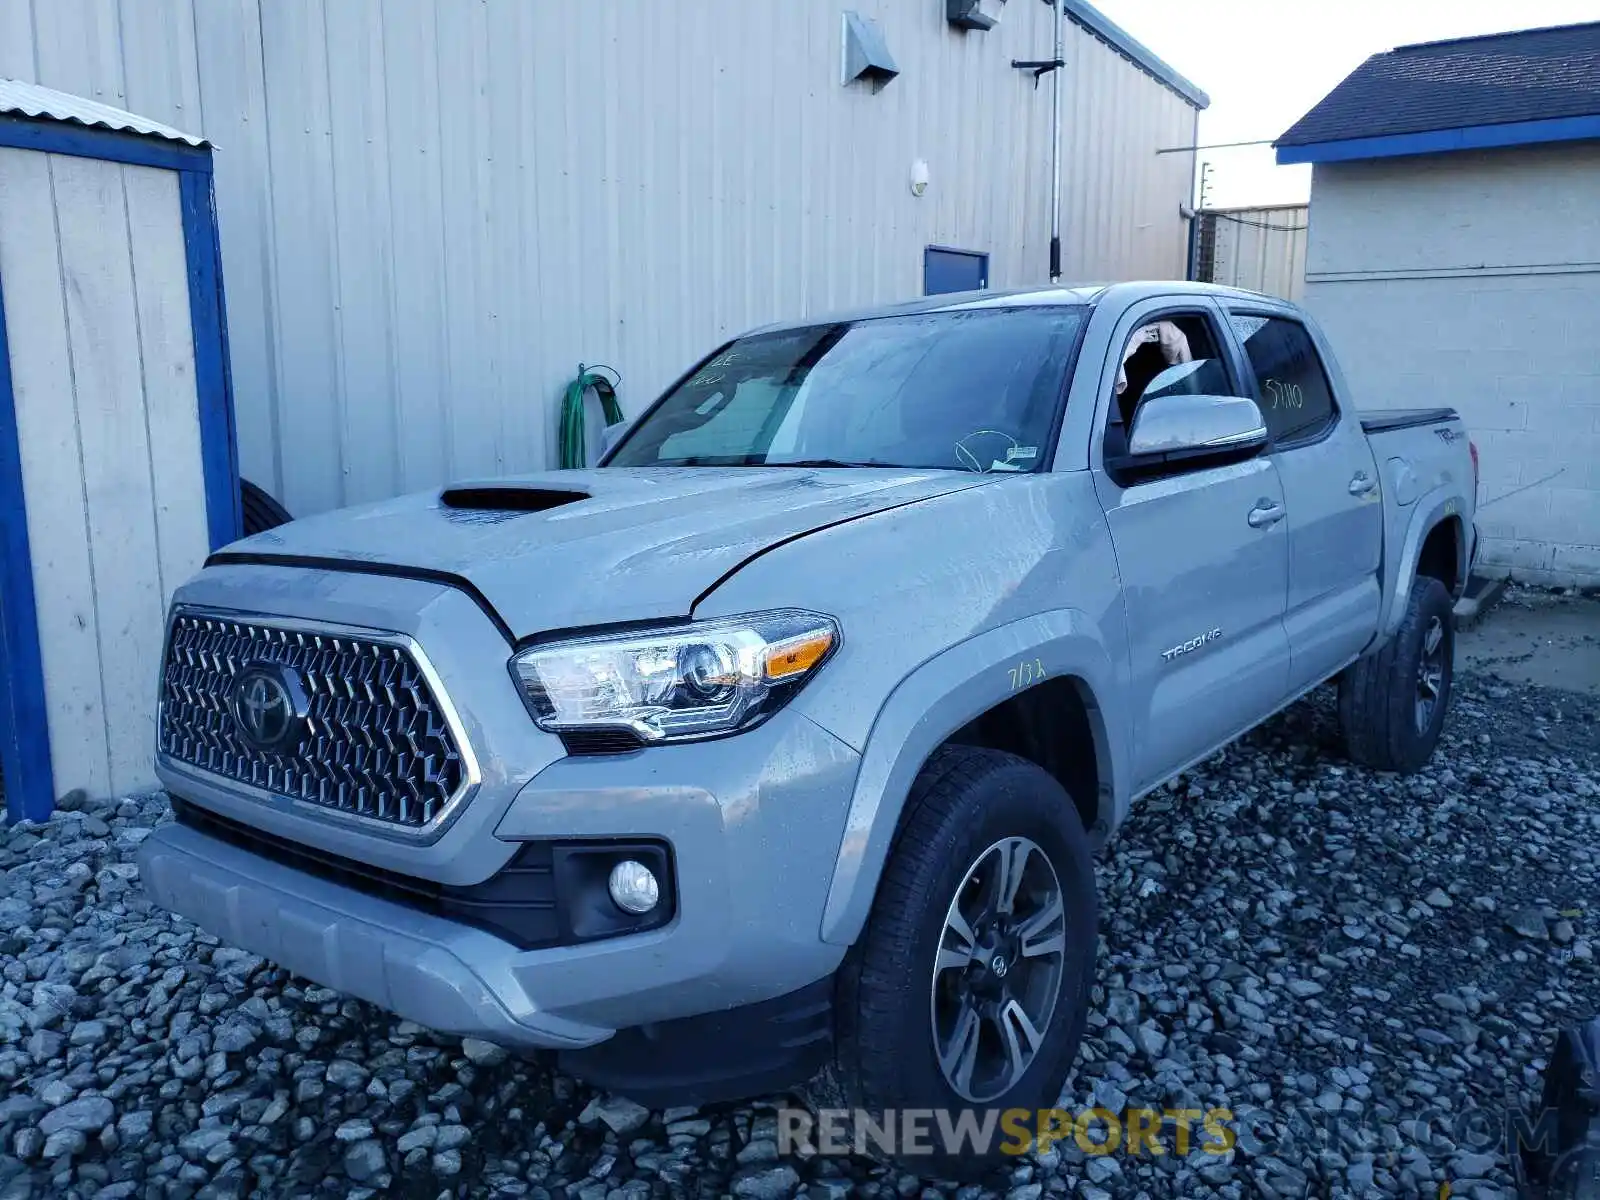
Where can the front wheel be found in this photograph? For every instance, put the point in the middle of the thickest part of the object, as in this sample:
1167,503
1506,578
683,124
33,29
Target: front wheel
969,988
1392,704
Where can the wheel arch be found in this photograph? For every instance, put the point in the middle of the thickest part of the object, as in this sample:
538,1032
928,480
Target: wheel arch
949,698
1434,539
1443,553
1051,724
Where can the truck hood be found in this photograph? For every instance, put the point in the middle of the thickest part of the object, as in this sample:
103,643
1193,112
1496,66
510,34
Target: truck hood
566,549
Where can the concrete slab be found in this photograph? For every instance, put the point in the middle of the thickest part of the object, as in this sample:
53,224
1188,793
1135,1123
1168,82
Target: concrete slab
1538,638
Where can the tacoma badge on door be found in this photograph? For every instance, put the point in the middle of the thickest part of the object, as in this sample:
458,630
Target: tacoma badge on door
1191,645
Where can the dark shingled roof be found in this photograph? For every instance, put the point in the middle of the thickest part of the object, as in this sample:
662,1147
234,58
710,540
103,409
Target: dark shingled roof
1534,75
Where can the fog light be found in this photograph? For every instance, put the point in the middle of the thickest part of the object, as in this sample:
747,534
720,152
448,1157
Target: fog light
633,887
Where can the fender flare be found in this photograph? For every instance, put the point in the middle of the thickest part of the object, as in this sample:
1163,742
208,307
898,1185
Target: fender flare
930,704
1441,504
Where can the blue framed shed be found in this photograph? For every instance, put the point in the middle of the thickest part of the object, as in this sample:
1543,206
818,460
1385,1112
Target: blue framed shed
118,462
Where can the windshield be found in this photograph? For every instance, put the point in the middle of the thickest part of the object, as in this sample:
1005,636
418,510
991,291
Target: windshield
971,390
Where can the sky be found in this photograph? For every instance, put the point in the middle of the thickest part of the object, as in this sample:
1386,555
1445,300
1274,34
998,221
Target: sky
1265,63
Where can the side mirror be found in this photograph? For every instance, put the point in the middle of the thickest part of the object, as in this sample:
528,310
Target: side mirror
611,435
1178,427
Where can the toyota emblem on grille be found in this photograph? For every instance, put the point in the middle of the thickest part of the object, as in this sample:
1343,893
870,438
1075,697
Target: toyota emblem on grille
269,706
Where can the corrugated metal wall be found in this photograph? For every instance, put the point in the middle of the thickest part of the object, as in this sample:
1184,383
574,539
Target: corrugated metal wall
1263,249
433,210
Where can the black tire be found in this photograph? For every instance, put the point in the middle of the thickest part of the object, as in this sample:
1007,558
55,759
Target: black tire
1379,695
965,800
259,510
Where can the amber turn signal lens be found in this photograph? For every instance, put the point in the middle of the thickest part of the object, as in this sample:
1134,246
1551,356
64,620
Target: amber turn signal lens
798,655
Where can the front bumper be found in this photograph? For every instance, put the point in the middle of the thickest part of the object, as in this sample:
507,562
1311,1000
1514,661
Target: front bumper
428,970
754,823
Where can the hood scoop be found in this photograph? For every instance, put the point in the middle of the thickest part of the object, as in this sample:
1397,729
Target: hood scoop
507,499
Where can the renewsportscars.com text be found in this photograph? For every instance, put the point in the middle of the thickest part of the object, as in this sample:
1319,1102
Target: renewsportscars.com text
961,1131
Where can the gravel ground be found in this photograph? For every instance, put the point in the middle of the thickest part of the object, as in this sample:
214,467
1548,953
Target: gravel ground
1354,963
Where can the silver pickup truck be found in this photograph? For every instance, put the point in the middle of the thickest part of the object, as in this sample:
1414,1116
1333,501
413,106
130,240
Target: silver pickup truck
780,743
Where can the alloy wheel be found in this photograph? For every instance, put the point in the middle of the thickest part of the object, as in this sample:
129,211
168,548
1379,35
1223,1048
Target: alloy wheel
1001,955
1430,675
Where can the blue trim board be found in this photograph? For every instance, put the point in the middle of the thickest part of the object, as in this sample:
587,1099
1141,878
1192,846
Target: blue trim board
109,145
24,724
212,377
1442,141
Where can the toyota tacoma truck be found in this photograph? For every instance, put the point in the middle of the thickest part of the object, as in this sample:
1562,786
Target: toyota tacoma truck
778,745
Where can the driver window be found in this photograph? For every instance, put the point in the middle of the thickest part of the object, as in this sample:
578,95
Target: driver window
1154,349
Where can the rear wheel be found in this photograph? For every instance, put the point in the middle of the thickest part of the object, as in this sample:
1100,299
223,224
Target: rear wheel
969,987
1392,704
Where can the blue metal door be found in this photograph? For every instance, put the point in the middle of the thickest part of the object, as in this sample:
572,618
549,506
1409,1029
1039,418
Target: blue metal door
946,270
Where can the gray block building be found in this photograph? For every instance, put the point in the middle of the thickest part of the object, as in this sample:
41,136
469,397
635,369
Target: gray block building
1454,257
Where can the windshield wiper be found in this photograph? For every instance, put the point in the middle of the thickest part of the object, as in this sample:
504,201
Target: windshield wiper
701,460
824,462
752,460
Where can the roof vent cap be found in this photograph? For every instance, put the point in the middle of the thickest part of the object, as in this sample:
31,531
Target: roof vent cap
979,15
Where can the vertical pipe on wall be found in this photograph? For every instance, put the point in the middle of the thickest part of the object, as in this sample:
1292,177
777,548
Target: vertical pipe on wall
1192,267
1055,143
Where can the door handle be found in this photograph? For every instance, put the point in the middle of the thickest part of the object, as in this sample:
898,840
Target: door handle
1264,514
1362,484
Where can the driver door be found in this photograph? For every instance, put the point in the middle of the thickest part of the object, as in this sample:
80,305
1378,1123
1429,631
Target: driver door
1204,560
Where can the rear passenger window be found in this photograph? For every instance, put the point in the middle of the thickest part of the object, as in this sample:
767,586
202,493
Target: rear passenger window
1295,398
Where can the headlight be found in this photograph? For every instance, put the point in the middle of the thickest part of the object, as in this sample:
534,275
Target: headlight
683,681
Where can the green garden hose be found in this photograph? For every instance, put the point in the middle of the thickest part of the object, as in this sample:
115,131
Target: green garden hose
574,450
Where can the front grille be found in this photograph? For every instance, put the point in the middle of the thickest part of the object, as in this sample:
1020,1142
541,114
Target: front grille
375,742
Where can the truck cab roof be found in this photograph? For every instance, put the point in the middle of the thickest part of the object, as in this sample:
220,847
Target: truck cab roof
1063,295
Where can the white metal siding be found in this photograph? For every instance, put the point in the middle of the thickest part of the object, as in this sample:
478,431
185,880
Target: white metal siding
1473,280
432,210
1262,249
102,366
